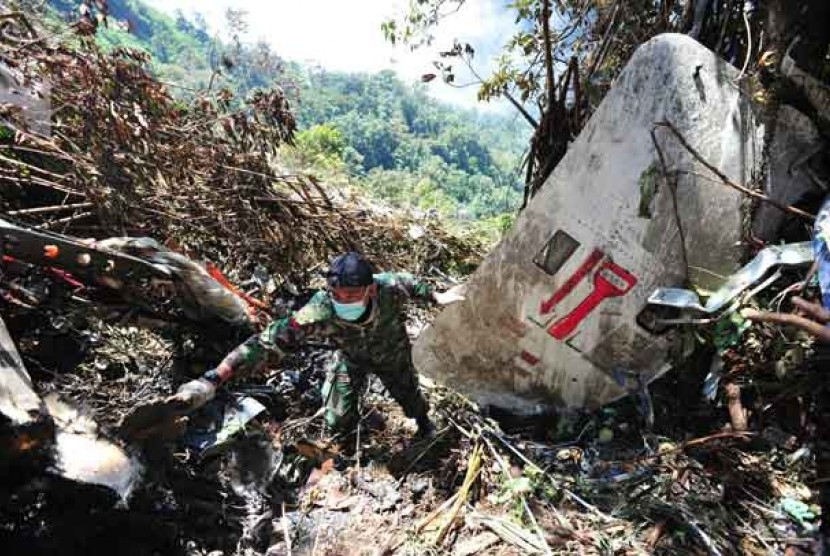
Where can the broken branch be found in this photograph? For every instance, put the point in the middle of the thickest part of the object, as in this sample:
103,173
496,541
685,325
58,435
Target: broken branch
45,210
66,220
819,331
745,190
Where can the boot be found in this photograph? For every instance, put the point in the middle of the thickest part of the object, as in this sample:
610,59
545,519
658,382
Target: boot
426,429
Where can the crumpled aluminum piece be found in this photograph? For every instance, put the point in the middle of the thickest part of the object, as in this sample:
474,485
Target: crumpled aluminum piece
212,430
202,297
712,380
776,255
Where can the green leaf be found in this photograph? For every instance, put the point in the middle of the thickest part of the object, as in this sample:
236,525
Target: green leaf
648,190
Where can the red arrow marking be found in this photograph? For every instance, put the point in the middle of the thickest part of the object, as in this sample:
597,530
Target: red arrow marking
584,269
611,280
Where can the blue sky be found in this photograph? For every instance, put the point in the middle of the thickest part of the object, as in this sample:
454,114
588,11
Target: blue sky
345,35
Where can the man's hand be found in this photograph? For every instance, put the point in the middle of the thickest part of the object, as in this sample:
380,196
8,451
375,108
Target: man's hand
164,419
452,295
195,394
813,318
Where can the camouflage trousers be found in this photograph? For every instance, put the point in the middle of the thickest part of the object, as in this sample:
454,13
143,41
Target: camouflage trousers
345,382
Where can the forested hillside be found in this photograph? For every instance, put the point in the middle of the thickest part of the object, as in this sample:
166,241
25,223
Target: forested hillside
373,130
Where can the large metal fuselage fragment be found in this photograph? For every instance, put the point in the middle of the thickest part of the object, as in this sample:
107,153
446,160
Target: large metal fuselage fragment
551,315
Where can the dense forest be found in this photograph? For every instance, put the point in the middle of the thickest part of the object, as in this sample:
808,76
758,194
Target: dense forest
372,130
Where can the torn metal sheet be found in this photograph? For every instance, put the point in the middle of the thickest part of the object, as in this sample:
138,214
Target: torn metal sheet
18,401
52,250
219,422
202,297
777,255
87,459
667,322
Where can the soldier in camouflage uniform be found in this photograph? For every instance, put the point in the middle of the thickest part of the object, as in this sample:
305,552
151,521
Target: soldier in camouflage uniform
362,314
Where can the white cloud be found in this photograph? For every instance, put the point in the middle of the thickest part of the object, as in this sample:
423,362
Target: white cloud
345,35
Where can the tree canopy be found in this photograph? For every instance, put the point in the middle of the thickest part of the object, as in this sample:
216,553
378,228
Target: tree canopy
387,136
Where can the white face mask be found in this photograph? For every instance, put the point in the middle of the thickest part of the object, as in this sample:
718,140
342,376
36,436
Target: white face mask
350,311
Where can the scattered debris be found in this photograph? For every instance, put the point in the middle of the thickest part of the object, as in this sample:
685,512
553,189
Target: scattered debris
221,422
664,469
35,425
792,255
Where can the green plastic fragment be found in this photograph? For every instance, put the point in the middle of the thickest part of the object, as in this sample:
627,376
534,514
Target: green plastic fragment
798,510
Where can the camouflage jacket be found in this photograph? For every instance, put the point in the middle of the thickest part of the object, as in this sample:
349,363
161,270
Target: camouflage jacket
380,340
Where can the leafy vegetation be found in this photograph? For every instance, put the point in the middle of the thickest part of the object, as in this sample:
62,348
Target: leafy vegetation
370,129
410,149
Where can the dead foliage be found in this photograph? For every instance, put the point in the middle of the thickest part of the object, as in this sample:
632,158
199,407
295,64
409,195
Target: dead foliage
127,158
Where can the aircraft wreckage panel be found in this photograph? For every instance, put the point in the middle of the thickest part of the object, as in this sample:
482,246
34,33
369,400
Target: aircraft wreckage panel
550,316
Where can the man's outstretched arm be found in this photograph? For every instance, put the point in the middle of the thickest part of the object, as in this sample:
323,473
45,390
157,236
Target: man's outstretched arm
281,336
419,289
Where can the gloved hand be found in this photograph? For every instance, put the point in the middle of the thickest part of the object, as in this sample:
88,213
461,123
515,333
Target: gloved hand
167,418
196,393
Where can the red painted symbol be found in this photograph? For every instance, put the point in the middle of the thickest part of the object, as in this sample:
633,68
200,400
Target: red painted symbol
584,269
611,280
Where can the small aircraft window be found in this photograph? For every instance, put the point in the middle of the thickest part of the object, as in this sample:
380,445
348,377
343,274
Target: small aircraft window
556,252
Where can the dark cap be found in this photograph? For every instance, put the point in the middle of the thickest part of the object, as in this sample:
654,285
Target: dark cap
350,269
